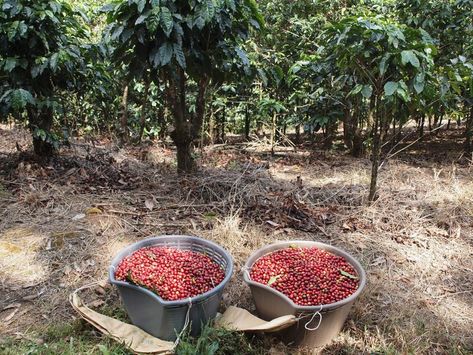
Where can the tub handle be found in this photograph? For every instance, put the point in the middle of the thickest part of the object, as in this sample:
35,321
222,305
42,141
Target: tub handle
312,318
186,322
246,270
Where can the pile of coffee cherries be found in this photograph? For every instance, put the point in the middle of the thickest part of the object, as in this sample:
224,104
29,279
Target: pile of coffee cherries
308,276
171,273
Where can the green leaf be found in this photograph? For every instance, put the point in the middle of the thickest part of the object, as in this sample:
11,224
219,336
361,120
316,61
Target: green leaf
231,4
5,95
390,88
242,55
209,10
199,22
346,274
409,57
262,75
141,5
403,85
107,8
40,133
273,279
165,53
403,93
126,35
213,348
6,6
455,87
167,21
10,64
419,83
367,91
50,14
210,215
356,90
12,30
383,64
41,64
140,19
53,61
255,13
20,98
179,54
54,6
103,349
117,32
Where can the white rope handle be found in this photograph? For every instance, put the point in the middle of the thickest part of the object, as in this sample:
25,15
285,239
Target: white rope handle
186,322
312,318
247,270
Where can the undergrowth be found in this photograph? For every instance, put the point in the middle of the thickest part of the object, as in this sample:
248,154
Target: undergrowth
80,338
218,341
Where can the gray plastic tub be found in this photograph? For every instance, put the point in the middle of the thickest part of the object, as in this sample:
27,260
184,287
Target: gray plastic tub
271,303
165,319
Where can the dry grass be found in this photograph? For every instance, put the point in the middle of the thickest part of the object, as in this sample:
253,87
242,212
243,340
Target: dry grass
415,242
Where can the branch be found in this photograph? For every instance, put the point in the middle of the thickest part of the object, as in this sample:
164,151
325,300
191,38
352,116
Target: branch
367,73
407,146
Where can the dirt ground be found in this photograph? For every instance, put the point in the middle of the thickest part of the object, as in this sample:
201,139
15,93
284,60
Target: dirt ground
61,222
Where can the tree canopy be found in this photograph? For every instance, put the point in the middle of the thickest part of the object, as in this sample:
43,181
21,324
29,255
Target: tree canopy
194,70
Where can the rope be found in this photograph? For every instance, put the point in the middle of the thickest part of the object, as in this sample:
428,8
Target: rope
247,270
89,285
186,322
311,319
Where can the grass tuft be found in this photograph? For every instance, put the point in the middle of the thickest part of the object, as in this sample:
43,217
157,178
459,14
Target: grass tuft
218,341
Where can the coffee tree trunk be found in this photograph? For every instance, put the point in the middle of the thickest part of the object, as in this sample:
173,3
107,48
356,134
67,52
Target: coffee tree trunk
348,129
41,121
247,123
357,149
162,122
143,110
357,136
298,133
181,135
421,126
469,132
124,117
375,153
223,120
330,133
186,126
273,132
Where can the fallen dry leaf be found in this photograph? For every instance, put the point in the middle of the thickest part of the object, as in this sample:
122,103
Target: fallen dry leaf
96,303
10,306
6,247
93,210
149,204
99,290
78,216
30,297
67,270
11,315
274,224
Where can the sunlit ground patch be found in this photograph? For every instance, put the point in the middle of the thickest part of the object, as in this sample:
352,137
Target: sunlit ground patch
19,255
